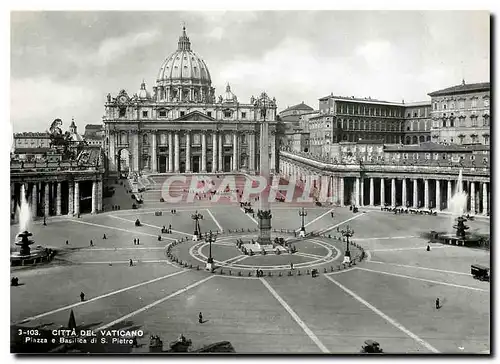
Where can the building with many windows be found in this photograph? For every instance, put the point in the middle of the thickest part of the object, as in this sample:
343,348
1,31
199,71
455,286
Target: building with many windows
181,126
461,114
417,122
350,119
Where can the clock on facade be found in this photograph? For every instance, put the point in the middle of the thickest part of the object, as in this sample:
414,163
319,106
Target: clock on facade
122,99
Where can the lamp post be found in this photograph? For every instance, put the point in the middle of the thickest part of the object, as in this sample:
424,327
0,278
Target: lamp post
210,238
196,217
347,233
302,214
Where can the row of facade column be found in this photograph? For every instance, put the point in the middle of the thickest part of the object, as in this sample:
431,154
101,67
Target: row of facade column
335,188
173,161
47,202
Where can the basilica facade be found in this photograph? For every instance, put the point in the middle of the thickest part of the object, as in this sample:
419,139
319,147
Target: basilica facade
183,127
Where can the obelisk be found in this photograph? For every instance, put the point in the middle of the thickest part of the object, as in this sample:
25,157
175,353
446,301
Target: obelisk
264,213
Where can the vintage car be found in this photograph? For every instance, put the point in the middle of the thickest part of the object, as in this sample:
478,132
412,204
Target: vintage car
371,347
480,272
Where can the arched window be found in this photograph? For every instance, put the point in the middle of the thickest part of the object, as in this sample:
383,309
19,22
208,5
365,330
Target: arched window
415,140
145,139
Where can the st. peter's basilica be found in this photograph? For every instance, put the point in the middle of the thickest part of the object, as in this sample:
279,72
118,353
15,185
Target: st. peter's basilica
182,126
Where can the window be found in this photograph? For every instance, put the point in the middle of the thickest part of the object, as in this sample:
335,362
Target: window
182,113
474,102
451,140
408,115
486,121
243,115
209,114
452,123
163,113
444,106
144,114
461,104
436,156
435,106
444,123
486,102
414,114
427,156
486,139
473,121
227,114
122,112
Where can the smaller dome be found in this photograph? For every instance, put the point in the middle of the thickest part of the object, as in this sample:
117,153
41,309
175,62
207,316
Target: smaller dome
75,137
228,96
143,94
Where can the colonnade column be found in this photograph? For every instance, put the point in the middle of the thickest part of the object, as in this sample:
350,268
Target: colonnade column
473,197
99,195
154,162
426,193
415,193
438,195
404,202
362,192
34,200
448,195
372,192
188,152
94,197
485,198
46,200
71,198
77,198
221,153
58,199
382,192
356,192
214,152
177,152
170,153
393,192
341,191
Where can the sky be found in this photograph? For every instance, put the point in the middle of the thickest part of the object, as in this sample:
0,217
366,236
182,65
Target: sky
63,64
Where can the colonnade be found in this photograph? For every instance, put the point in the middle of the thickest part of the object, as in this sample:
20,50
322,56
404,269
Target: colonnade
49,196
420,191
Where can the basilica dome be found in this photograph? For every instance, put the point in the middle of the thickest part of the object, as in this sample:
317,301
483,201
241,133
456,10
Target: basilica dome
183,65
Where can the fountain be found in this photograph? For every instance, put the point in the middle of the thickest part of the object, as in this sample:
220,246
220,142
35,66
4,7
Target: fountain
26,255
458,206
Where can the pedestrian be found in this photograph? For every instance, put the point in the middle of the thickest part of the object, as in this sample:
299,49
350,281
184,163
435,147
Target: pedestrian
437,304
67,242
82,296
91,243
291,265
135,242
44,221
428,248
131,263
104,237
200,318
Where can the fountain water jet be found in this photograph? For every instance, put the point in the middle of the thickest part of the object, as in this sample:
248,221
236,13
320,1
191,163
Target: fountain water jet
458,201
24,211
